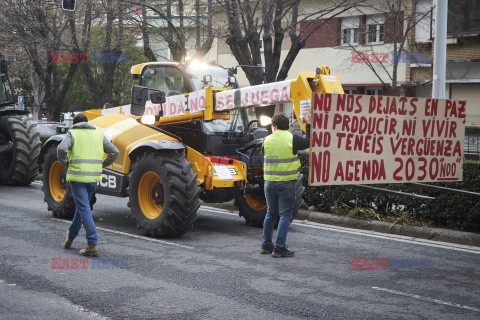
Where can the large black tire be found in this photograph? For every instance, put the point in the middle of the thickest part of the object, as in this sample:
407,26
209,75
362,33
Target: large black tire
254,213
56,190
163,194
19,165
251,209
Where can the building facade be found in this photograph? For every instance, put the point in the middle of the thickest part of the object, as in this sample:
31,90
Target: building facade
361,47
463,61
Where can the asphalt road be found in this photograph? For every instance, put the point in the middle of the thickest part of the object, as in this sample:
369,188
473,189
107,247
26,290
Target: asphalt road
216,271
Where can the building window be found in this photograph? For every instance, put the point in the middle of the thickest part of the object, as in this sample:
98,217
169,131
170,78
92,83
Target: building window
472,143
375,29
375,33
350,91
350,36
350,27
463,16
424,22
373,91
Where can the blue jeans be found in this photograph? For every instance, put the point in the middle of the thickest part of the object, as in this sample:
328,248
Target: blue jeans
280,196
82,195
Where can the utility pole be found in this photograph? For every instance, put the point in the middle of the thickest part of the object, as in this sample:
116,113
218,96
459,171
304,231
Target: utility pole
440,50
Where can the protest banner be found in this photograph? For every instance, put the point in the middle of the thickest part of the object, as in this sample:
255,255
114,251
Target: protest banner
121,109
357,139
262,94
224,100
197,101
151,108
174,106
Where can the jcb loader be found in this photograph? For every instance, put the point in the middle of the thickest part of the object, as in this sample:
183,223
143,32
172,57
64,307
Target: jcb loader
195,143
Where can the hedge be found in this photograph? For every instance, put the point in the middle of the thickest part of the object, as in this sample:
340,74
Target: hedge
448,209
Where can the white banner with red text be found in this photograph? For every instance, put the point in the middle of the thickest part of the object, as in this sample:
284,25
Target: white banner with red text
359,139
262,94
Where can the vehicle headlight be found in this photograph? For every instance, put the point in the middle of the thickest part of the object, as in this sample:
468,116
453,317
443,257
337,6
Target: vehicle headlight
265,121
148,119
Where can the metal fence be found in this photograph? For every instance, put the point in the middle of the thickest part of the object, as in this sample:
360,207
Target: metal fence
472,143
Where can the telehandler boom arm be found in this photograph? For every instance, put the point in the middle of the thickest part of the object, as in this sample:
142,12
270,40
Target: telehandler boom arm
212,103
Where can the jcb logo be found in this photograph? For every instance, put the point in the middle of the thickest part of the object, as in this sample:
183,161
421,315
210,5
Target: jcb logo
108,181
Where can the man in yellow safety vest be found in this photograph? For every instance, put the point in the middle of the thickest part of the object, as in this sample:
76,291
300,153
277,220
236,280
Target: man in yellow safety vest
280,172
81,151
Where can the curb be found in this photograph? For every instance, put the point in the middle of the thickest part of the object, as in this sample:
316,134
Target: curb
437,234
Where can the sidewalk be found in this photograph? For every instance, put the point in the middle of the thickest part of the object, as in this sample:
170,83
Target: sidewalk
437,234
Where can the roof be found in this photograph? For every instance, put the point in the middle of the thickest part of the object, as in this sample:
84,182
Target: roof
138,68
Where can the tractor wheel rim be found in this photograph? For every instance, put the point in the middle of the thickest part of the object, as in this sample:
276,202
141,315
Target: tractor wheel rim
56,181
151,195
255,204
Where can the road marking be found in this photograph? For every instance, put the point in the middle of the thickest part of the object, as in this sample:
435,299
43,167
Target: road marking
416,296
135,236
399,238
373,234
368,233
91,313
76,306
213,209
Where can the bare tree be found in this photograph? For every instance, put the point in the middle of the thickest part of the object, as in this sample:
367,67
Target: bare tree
143,22
101,22
183,25
22,75
275,19
38,91
251,22
39,27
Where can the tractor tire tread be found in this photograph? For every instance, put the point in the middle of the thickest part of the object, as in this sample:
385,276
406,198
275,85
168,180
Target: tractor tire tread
64,209
27,146
180,206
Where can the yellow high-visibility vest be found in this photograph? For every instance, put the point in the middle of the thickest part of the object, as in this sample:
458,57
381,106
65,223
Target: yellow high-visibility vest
86,156
280,164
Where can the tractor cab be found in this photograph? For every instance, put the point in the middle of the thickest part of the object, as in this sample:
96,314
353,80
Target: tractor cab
6,92
222,134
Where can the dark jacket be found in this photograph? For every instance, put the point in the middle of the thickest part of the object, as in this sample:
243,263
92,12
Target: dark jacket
300,142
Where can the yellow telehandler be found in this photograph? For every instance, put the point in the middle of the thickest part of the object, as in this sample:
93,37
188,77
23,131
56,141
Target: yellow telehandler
186,136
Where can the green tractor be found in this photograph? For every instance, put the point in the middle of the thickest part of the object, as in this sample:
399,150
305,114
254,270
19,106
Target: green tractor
19,138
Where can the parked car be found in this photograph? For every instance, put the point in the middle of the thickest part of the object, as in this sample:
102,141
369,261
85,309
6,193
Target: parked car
47,129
